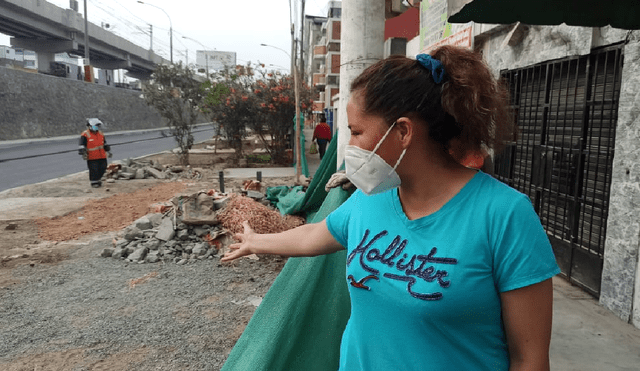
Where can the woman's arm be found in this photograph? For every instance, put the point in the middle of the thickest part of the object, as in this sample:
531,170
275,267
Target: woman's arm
305,240
527,313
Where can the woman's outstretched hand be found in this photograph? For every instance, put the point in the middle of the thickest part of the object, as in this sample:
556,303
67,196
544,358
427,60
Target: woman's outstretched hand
242,248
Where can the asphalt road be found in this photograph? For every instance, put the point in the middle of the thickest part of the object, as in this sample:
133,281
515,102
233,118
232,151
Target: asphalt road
29,162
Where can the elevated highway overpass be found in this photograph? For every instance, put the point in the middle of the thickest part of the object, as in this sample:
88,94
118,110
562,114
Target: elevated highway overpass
48,29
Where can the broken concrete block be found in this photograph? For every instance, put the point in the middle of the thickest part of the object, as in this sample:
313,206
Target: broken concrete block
153,244
165,230
120,244
221,203
155,219
152,257
117,253
199,249
255,195
200,231
132,232
149,233
106,252
129,250
156,174
157,165
182,235
171,244
199,210
126,175
143,223
140,174
139,254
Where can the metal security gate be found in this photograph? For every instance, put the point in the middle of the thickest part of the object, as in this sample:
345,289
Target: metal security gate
566,112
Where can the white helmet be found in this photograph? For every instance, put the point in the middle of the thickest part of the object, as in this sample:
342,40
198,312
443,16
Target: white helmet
94,123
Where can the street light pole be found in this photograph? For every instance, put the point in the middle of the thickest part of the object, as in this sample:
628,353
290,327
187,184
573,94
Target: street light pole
297,118
170,28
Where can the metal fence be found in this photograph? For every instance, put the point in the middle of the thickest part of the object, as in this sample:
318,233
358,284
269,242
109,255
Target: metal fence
566,112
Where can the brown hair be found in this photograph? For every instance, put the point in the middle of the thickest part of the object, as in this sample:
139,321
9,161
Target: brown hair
469,105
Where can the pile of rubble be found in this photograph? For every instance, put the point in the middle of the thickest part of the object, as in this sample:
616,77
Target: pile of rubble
145,169
195,227
182,230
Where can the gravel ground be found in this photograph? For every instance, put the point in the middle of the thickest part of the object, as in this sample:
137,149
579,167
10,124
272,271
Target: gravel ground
94,313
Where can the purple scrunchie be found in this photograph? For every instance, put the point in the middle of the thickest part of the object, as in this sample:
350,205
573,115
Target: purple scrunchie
433,65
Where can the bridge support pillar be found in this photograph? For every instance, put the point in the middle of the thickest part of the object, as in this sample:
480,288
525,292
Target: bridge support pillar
44,61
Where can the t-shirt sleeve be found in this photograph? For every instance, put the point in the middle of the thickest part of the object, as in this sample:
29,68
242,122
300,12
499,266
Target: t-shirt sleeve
338,220
522,252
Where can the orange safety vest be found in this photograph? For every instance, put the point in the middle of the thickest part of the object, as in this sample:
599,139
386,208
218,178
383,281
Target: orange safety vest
95,145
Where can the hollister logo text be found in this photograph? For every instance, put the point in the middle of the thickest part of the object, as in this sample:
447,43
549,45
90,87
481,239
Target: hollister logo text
409,270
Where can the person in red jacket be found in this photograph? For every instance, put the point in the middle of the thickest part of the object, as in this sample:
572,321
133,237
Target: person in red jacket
322,135
93,148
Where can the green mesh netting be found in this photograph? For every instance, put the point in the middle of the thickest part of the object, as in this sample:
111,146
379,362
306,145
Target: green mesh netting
300,322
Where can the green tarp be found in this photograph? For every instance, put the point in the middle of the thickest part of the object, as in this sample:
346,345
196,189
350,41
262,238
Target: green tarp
300,322
304,168
292,200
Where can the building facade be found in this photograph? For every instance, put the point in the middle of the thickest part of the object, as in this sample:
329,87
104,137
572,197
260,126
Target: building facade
573,91
322,66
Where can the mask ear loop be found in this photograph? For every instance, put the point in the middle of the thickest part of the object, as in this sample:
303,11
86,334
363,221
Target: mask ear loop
398,162
380,142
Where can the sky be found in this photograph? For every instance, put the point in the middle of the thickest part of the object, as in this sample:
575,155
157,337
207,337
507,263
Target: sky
223,25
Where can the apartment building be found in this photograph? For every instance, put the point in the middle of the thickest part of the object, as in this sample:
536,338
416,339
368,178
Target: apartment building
322,69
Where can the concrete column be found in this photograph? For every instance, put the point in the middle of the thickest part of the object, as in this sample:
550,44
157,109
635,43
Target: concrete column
620,288
362,44
44,60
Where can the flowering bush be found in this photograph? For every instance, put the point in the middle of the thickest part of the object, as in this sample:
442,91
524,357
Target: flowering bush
261,101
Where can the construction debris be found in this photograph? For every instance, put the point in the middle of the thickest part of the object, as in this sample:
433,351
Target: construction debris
146,169
196,226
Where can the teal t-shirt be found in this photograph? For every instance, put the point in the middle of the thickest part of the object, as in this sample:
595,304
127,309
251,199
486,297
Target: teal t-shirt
425,293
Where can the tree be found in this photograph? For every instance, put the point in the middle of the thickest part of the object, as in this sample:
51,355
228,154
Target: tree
174,91
259,100
214,93
233,110
276,98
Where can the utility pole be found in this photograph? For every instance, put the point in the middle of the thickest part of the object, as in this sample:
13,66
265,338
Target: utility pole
88,76
297,126
151,37
292,37
170,28
302,42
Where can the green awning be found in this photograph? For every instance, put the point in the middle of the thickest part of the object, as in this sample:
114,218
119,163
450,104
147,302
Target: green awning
623,14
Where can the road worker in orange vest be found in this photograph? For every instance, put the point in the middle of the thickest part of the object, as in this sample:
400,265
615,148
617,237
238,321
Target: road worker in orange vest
94,149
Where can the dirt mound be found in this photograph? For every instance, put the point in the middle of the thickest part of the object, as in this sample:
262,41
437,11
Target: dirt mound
107,214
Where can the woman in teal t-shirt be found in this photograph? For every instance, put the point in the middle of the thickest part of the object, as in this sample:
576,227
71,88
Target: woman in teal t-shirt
447,268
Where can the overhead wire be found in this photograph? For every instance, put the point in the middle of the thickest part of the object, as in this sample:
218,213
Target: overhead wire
133,28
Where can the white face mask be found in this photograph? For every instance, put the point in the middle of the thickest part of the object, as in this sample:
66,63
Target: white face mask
368,171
